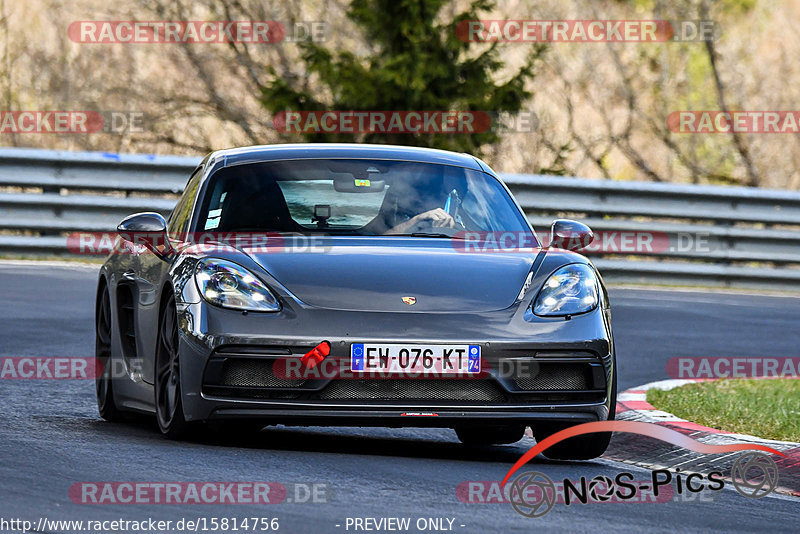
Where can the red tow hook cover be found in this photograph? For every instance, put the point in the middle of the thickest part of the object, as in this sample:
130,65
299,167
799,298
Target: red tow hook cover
311,358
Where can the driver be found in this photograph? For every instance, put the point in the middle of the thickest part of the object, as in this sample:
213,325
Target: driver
413,207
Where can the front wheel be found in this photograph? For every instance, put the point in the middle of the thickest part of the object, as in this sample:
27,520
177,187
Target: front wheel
584,447
490,435
102,351
169,404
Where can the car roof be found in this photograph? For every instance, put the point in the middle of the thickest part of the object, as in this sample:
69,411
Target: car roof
260,153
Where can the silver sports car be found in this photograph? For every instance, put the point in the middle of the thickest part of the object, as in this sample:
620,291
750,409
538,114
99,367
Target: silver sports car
362,285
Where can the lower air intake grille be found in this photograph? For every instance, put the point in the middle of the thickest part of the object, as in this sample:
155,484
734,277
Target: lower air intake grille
563,376
251,372
410,389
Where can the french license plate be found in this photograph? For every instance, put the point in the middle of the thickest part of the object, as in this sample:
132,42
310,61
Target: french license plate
402,358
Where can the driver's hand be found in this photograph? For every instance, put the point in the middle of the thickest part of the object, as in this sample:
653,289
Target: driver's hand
438,218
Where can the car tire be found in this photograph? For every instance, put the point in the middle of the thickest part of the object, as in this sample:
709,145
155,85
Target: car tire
585,447
103,381
168,396
490,435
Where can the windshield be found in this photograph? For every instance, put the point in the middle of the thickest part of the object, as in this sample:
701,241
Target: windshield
357,197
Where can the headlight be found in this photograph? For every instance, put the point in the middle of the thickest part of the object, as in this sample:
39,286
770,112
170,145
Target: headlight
569,291
225,284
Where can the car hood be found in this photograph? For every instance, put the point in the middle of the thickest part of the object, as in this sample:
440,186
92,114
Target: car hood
375,274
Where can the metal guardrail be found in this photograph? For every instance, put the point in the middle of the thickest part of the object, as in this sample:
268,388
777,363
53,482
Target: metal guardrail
719,236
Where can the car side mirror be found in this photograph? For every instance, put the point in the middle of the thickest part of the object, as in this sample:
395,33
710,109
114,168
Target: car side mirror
570,235
148,229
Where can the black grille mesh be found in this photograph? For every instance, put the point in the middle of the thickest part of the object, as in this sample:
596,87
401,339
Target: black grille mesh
246,372
413,389
551,377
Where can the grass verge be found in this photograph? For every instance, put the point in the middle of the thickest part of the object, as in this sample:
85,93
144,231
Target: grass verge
765,408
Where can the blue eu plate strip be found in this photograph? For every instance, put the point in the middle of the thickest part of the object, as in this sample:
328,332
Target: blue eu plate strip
474,362
357,356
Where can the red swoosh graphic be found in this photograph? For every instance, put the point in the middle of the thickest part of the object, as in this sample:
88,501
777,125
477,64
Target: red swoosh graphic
633,427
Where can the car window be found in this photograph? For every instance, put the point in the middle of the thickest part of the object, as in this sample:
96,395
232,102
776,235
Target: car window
179,220
360,197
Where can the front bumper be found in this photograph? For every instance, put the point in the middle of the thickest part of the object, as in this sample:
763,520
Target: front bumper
582,345
545,393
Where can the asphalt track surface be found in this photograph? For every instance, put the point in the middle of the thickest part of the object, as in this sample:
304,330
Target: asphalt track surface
52,437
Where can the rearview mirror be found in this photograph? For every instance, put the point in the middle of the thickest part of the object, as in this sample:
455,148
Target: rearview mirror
148,229
570,235
358,185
